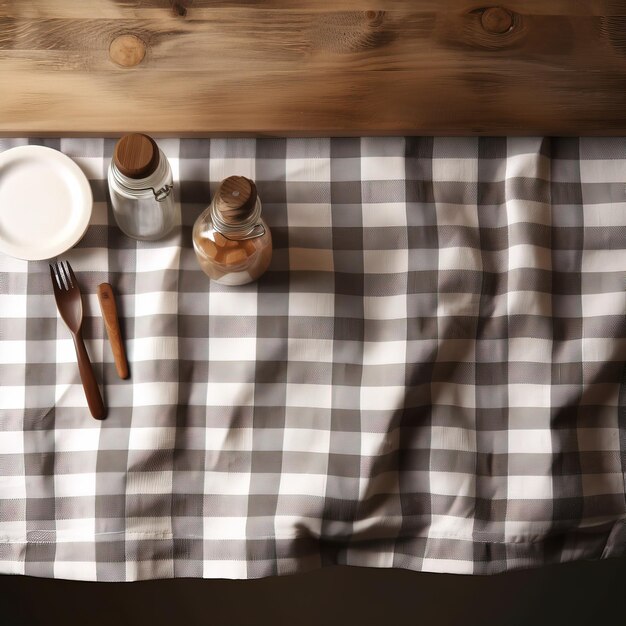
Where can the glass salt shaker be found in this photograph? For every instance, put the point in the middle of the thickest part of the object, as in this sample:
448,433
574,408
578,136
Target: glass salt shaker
232,242
142,188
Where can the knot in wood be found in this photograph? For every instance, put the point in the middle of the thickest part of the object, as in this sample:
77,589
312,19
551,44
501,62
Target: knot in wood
127,50
497,20
375,18
179,8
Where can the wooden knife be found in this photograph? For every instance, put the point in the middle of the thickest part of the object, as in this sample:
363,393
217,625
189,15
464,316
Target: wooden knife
111,321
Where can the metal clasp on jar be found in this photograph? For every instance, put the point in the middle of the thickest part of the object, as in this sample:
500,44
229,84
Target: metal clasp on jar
161,194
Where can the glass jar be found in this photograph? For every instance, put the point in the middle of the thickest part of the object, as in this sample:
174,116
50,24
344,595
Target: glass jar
232,242
141,188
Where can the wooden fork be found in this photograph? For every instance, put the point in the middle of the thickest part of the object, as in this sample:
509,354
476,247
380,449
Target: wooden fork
70,305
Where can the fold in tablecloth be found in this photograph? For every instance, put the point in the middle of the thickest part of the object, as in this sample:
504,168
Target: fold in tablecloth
428,377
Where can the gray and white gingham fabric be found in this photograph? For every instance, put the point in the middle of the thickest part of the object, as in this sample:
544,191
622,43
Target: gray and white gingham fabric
430,375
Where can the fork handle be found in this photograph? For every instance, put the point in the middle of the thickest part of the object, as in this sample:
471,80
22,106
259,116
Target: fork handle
88,378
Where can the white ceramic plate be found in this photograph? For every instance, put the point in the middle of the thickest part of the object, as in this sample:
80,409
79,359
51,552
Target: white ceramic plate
45,203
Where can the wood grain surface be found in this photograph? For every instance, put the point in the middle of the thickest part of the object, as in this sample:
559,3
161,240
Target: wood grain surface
312,67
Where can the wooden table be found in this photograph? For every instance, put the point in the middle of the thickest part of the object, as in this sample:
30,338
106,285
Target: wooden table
312,67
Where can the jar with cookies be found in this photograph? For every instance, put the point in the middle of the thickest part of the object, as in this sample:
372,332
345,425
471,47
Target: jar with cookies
232,242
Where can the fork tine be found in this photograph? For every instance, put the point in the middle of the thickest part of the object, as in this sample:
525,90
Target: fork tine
61,274
71,274
66,274
66,278
53,276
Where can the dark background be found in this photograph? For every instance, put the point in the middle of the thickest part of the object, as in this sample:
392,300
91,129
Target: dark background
570,594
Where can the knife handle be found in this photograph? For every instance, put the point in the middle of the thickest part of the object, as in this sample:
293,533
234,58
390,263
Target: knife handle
112,324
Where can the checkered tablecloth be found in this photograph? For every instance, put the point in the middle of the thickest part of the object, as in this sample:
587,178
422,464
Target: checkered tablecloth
428,376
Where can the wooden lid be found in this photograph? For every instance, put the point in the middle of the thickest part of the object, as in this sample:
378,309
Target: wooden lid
236,199
136,155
